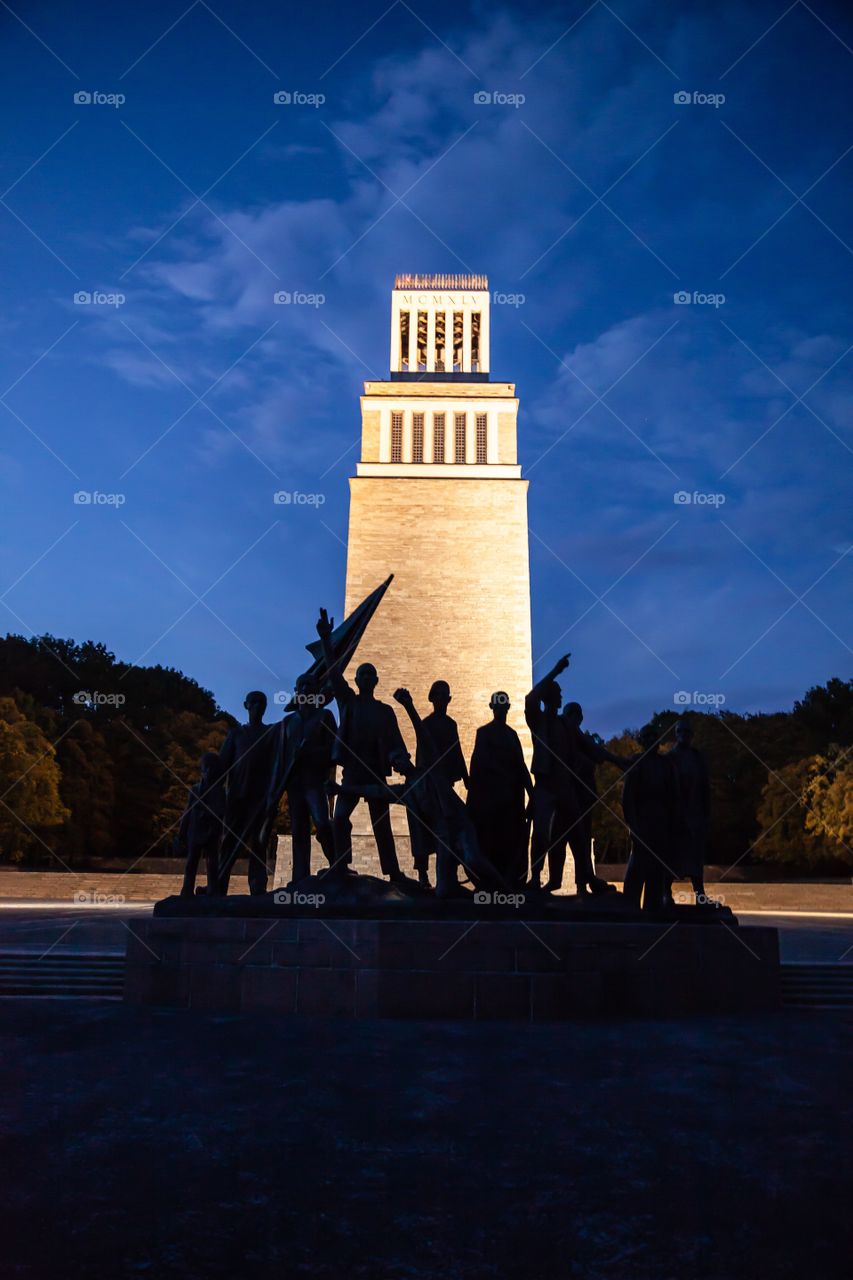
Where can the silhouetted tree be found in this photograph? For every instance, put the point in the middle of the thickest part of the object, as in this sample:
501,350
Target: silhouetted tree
29,783
829,798
827,711
783,837
128,740
88,789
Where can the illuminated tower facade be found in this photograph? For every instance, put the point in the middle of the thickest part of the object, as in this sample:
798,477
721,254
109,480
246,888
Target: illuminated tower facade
438,499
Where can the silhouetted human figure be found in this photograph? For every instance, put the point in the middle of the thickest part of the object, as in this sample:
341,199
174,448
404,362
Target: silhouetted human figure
500,783
585,754
246,758
430,799
201,825
302,765
446,752
555,807
694,807
650,806
368,746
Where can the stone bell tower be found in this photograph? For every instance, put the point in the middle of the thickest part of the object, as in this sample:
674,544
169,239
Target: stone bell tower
438,500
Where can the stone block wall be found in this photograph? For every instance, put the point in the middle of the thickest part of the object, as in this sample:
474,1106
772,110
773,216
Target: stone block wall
458,969
459,606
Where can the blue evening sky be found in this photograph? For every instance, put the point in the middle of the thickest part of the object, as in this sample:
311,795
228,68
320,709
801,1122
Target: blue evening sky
595,200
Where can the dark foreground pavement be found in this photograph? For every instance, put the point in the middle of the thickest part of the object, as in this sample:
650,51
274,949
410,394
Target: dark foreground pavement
164,1143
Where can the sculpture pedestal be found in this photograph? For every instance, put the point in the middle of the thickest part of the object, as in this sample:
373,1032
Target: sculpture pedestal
374,950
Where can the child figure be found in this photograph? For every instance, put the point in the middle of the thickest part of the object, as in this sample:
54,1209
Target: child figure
201,825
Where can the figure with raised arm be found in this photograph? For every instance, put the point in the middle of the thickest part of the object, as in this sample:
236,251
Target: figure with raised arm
368,746
499,786
555,807
446,753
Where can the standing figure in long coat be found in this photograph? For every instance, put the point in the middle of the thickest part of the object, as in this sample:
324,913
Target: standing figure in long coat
246,759
499,786
650,806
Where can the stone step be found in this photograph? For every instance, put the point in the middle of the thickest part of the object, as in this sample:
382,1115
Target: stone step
23,985
807,984
64,971
82,976
59,966
46,959
817,986
37,974
25,991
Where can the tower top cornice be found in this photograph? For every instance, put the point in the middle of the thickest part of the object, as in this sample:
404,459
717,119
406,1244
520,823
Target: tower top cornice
441,280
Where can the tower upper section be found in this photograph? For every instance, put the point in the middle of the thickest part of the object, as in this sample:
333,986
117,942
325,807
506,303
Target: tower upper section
440,328
439,416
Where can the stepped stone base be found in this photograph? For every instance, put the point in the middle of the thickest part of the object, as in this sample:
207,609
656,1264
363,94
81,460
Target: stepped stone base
468,967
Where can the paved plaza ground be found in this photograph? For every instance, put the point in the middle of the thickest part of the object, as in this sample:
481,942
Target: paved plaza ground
144,1141
167,1143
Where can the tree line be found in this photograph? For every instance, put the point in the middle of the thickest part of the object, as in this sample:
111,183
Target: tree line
96,756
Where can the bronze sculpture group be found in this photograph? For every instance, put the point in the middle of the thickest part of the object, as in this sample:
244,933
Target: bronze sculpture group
232,809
